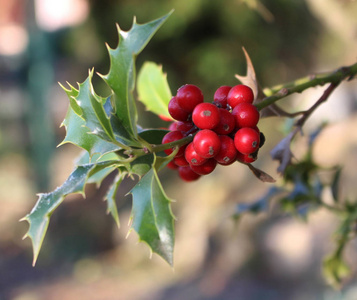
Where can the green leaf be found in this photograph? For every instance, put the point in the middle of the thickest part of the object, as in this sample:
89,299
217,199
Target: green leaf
84,158
141,165
39,217
153,89
79,135
110,197
152,217
335,270
121,76
120,133
153,136
92,107
99,176
90,118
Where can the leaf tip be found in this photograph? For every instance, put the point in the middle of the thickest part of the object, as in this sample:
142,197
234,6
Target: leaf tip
63,87
61,143
109,49
24,219
117,223
129,231
121,33
34,261
35,248
26,235
100,75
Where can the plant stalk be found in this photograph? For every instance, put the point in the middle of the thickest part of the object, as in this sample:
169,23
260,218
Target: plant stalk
276,93
159,147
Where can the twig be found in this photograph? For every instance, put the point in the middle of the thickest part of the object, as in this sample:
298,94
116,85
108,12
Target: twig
276,93
322,99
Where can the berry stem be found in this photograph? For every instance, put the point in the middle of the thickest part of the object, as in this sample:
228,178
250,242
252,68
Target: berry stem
162,147
158,148
278,92
322,99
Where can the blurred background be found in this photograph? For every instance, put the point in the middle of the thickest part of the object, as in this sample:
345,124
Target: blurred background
84,255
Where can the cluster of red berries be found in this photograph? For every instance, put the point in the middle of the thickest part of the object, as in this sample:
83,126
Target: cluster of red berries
224,131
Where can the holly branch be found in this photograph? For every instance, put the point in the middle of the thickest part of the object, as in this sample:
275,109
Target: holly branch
279,92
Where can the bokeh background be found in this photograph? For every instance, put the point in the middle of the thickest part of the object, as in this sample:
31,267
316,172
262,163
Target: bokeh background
85,256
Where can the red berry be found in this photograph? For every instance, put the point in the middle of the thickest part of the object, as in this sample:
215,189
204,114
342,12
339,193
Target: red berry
187,174
205,168
246,115
176,111
246,158
256,129
206,116
227,154
185,127
171,137
238,94
173,126
220,96
192,157
246,140
226,123
180,161
188,96
171,165
206,143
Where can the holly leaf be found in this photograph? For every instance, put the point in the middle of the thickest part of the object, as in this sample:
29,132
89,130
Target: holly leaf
153,136
99,176
121,76
110,197
261,175
260,205
152,217
250,78
282,152
76,131
153,89
93,111
39,217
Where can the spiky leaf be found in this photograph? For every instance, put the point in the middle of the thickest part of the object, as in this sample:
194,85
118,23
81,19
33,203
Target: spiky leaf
39,217
152,217
97,114
110,197
121,76
250,78
76,131
79,135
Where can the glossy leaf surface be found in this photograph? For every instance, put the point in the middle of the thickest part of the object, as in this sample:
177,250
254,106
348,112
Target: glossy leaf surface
39,217
121,76
152,217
